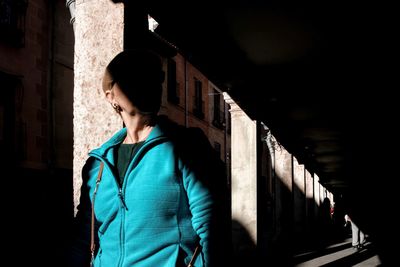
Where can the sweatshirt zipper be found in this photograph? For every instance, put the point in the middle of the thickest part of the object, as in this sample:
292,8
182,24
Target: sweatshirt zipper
121,190
122,229
121,194
121,198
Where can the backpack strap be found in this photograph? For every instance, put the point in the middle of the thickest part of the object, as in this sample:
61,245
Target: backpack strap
195,253
92,243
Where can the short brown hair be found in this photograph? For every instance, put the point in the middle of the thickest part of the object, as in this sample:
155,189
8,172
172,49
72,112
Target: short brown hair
139,74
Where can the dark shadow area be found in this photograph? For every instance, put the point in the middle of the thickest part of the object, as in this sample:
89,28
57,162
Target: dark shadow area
354,258
371,195
280,244
316,228
320,251
318,100
319,242
324,225
197,152
244,248
39,210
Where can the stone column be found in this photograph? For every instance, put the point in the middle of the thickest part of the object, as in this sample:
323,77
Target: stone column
309,200
284,192
99,29
298,196
316,195
243,176
322,194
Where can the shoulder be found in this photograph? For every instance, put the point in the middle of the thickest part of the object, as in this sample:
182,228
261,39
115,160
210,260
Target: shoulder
91,165
192,143
181,134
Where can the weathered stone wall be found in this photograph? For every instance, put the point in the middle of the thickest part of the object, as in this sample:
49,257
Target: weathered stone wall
244,174
298,196
99,29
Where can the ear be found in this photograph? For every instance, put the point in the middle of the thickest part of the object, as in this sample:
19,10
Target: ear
107,88
109,95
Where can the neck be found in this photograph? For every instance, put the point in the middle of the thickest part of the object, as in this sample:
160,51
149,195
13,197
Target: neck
138,128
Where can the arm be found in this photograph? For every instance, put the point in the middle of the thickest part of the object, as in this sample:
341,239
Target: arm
201,207
79,249
206,185
346,220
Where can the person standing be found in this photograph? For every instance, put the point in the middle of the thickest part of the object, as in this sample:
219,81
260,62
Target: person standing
357,236
153,202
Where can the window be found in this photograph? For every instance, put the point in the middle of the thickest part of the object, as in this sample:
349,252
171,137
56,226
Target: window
218,115
12,21
172,86
198,99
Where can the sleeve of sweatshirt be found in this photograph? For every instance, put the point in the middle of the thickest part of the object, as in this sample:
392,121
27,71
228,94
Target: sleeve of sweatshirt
207,191
201,207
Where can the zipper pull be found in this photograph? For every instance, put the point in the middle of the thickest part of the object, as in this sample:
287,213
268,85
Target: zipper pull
121,197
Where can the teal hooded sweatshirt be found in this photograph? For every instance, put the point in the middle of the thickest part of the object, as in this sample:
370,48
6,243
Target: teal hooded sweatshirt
159,214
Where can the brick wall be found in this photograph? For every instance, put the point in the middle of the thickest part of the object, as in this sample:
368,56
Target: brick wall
31,64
